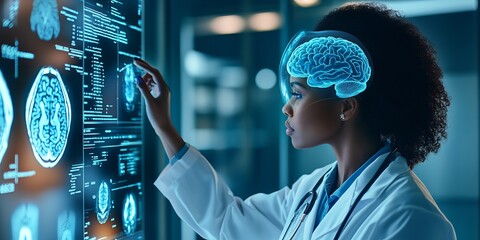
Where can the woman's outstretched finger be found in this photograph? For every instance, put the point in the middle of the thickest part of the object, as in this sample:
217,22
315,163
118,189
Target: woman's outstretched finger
145,66
157,76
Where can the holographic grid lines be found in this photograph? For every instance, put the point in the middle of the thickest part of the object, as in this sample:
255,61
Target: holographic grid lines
6,116
48,117
67,72
112,133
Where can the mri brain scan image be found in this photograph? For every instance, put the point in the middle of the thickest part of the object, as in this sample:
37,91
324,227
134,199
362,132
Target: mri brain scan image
66,226
129,215
44,19
6,116
129,87
25,222
103,202
48,117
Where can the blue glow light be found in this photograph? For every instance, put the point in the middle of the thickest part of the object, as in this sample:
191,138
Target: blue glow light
327,61
6,116
48,117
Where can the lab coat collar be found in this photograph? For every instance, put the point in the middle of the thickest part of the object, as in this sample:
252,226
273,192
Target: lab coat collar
335,216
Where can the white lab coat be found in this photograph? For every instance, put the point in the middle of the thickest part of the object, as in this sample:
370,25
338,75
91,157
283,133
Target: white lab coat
397,206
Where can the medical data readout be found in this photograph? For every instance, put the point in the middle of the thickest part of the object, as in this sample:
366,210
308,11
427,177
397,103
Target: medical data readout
71,123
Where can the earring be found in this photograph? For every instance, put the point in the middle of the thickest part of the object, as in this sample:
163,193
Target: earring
342,116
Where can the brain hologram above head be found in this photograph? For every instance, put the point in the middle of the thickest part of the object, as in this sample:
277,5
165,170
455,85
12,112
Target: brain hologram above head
332,58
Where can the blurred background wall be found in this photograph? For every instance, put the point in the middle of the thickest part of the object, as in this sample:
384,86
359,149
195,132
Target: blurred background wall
220,59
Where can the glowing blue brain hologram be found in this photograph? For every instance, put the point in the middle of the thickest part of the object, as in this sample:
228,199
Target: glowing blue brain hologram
129,214
6,116
103,202
129,88
25,222
44,19
327,61
48,117
66,226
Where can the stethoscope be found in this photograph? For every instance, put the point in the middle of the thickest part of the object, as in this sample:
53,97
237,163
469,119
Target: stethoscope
307,202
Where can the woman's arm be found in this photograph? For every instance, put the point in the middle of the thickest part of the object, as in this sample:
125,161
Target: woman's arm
204,201
198,195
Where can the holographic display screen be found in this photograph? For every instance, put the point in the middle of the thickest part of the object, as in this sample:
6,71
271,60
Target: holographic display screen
71,133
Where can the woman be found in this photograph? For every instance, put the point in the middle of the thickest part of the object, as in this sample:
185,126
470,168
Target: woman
364,82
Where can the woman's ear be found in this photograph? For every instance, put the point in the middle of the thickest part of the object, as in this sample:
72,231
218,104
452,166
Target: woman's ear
349,109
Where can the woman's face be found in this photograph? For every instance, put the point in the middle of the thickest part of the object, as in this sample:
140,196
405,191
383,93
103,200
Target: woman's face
313,114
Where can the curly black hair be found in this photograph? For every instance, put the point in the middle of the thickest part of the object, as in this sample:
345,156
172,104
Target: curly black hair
405,99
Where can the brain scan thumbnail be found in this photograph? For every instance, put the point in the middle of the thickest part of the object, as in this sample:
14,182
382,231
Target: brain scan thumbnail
44,19
103,202
25,222
6,116
129,215
48,117
66,226
129,87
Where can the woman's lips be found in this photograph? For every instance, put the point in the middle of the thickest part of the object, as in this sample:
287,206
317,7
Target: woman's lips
289,131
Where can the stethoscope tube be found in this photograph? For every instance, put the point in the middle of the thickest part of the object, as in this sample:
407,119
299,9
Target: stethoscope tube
313,197
298,226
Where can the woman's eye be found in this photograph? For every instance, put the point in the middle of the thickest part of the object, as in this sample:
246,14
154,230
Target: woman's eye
296,95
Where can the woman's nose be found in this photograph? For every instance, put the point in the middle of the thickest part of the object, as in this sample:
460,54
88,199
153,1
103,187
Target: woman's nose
287,110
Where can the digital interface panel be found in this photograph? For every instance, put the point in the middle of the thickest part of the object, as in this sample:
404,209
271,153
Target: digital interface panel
71,133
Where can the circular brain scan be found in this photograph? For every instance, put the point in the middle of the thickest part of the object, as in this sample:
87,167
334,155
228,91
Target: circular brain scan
103,202
6,116
129,215
129,88
48,117
44,19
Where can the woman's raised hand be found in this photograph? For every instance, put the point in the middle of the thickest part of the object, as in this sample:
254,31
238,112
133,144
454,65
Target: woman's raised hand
156,93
